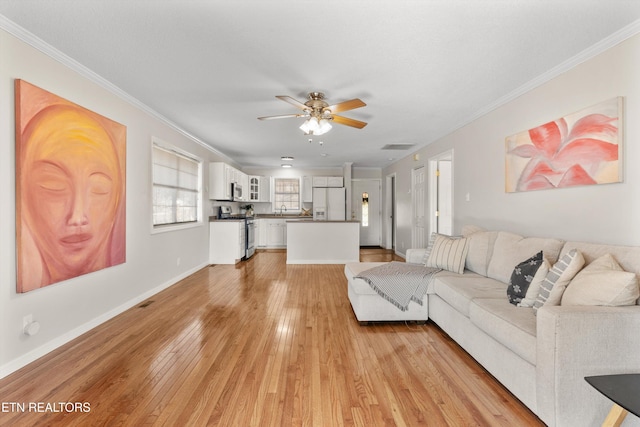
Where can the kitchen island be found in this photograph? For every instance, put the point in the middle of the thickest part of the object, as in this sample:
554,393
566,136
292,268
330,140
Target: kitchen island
323,242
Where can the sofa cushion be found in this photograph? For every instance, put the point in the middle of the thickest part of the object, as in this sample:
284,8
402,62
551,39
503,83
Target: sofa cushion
480,250
352,269
603,282
448,253
459,290
513,327
509,249
522,276
558,278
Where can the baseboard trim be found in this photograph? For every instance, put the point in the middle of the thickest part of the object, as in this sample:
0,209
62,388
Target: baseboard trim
33,355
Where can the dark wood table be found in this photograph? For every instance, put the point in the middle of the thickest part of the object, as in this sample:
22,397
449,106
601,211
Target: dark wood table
623,390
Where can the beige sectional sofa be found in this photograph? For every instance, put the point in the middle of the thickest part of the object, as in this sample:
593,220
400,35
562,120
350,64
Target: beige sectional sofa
541,357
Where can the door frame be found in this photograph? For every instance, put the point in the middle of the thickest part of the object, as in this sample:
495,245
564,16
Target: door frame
379,182
414,204
390,212
433,186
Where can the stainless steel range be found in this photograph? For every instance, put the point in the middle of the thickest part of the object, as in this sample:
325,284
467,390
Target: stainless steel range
224,212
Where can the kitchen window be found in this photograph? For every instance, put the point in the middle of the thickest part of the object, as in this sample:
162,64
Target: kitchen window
286,194
176,188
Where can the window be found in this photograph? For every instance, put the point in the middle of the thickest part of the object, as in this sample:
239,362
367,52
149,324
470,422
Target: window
365,209
286,194
176,187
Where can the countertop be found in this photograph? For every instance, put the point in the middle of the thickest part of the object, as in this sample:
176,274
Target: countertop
216,219
322,221
278,216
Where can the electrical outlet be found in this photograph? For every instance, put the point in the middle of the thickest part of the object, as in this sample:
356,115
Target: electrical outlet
178,261
26,320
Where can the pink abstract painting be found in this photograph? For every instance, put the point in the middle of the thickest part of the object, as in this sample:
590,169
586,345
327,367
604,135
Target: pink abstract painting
70,189
583,148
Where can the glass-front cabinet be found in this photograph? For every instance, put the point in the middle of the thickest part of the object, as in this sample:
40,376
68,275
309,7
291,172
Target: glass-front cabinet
259,189
254,188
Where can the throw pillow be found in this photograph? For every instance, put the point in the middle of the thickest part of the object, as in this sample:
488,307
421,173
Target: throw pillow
432,239
603,282
522,277
558,278
534,286
448,253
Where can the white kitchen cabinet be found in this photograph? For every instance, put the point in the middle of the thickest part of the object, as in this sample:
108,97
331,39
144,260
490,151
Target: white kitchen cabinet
221,175
328,181
335,181
219,181
226,241
261,233
320,181
307,189
258,190
254,188
265,189
276,233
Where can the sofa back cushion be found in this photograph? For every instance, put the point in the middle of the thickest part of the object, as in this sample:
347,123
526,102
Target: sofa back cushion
510,249
480,250
627,256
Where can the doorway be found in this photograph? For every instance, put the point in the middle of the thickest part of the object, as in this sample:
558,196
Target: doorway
366,208
441,193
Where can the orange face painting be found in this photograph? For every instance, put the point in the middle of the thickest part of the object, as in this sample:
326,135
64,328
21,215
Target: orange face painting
71,194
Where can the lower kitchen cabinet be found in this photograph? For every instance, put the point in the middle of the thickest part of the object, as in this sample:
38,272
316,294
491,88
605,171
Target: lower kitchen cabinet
226,241
276,231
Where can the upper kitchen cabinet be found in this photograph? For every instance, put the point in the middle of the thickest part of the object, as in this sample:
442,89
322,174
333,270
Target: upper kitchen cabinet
328,181
221,176
307,189
320,181
259,189
335,181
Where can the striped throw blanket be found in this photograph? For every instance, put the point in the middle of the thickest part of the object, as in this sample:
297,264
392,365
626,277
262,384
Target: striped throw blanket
399,282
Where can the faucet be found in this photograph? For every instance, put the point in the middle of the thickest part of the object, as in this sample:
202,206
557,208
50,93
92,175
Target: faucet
285,209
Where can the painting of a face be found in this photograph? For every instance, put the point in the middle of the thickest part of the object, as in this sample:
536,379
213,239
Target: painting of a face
70,190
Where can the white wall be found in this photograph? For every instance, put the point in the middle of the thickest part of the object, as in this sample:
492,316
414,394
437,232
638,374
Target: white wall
602,213
69,308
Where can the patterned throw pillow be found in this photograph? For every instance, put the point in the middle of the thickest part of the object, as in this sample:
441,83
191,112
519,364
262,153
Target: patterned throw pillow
559,276
432,239
448,253
522,277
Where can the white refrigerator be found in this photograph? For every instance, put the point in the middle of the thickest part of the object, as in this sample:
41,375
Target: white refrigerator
329,204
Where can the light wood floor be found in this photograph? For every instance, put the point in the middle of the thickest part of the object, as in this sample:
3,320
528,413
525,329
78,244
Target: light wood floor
261,343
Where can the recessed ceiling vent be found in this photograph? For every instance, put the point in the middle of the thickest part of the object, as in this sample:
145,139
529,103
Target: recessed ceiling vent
397,146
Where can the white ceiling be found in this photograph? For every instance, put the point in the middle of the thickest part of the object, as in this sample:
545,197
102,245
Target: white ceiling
423,67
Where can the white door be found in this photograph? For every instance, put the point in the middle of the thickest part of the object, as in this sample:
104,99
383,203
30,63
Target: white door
366,208
441,189
418,203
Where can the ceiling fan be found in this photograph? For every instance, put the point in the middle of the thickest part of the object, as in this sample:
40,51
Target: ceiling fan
319,113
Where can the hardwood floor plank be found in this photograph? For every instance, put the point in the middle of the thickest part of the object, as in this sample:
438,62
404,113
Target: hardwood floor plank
261,343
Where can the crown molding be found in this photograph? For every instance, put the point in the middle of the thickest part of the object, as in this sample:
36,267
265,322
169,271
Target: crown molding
591,52
39,44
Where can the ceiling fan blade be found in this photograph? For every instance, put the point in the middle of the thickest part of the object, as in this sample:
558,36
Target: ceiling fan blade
346,105
292,101
285,116
349,122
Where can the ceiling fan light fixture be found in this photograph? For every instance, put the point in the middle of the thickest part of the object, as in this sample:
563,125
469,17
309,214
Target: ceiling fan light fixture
310,126
286,165
323,127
